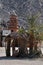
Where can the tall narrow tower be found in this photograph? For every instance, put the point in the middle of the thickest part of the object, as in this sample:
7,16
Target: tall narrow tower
13,23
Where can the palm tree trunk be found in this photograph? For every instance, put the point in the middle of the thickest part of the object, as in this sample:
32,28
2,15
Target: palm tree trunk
31,43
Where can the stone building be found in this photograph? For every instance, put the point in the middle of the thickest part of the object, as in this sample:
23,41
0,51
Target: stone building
12,25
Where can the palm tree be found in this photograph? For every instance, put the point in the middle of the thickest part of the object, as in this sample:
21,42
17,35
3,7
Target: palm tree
22,42
33,29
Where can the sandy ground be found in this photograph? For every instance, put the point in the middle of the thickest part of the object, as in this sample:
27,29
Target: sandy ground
14,61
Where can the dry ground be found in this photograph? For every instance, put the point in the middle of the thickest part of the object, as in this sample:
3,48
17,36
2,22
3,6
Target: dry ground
14,61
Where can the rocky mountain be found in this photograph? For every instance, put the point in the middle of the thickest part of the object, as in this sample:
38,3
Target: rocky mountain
22,8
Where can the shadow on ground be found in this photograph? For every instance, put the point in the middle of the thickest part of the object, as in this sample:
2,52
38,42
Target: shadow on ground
11,58
16,58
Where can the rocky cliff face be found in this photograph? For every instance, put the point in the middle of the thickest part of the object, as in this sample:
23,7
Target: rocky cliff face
22,9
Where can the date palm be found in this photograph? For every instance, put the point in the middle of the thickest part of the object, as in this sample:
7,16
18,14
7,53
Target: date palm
33,29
